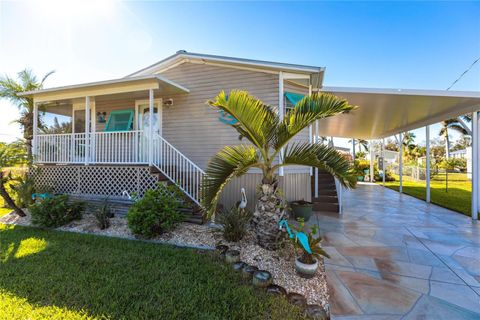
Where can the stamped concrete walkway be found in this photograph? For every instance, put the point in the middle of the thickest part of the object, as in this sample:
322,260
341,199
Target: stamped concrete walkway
397,257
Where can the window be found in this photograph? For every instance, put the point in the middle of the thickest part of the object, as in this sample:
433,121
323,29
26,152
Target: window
120,120
291,100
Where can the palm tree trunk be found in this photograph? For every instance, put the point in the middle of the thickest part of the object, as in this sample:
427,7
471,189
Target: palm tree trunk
8,199
266,217
447,146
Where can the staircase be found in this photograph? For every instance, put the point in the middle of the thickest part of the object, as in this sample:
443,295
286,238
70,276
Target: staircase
327,199
191,211
173,167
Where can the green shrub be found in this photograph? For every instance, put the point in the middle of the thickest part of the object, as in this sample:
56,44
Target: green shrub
234,223
157,212
23,187
103,215
56,211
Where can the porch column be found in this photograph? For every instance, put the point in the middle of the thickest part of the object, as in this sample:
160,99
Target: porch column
35,132
384,171
400,160
150,124
372,160
281,114
475,165
87,130
316,169
427,164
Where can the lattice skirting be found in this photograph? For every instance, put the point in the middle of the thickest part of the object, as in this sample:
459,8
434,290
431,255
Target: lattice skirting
96,181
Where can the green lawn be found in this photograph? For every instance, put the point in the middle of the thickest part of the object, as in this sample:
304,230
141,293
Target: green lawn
58,275
458,196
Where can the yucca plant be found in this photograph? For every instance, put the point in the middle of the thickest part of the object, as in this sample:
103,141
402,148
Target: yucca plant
268,135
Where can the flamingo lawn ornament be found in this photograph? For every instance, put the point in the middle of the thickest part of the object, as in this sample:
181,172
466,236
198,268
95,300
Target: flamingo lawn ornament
243,202
299,236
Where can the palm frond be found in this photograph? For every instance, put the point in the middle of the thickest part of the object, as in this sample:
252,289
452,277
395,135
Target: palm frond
9,90
228,163
306,111
45,78
322,157
254,120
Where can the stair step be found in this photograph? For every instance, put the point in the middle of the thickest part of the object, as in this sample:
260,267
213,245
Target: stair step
325,199
324,192
325,206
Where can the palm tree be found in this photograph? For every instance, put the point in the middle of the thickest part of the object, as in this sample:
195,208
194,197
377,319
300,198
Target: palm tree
456,124
10,89
57,127
9,156
269,138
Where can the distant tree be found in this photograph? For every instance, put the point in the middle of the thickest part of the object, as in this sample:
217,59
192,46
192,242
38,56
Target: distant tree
10,90
57,127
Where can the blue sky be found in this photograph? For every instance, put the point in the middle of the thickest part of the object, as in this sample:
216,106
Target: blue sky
422,45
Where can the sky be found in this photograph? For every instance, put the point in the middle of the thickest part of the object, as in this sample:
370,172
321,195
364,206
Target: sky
415,45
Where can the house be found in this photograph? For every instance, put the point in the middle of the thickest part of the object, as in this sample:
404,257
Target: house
116,148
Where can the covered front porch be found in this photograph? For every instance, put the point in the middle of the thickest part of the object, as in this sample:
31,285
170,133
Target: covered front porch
103,122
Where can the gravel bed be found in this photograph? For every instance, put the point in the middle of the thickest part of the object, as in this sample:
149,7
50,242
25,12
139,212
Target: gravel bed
279,263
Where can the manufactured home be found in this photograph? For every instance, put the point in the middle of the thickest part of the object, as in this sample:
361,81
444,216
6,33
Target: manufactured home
155,123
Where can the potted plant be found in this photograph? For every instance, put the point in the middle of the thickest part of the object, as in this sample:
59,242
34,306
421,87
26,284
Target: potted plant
308,251
302,209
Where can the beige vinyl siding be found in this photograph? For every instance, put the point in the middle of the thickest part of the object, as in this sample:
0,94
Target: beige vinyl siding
295,186
194,127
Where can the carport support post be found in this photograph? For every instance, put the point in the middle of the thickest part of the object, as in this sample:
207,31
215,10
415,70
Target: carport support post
400,160
150,125
316,169
372,160
475,165
281,115
427,163
384,172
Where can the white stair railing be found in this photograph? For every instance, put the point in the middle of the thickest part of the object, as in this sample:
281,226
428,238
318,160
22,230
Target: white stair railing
178,168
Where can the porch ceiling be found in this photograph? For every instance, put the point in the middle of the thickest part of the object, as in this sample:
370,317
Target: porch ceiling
135,85
384,112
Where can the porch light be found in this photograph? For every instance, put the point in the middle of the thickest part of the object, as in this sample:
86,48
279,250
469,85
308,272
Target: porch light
101,117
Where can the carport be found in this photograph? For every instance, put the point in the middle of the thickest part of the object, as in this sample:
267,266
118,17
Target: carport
385,112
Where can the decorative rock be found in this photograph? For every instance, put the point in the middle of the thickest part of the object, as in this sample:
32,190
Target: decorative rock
238,266
232,256
316,312
262,278
248,271
297,299
276,290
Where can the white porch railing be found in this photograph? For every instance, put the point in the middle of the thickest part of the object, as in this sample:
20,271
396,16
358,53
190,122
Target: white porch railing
124,147
178,168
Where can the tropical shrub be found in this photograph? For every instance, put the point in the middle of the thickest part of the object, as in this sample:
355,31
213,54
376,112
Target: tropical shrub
24,188
157,212
103,216
234,223
56,211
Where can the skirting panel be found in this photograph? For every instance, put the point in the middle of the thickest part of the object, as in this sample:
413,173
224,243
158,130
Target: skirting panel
103,181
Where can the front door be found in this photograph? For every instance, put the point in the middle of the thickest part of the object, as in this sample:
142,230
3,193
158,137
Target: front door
143,122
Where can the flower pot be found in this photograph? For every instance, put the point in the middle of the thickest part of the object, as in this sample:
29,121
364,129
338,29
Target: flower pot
302,209
306,270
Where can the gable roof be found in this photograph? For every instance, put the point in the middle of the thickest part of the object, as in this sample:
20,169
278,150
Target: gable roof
239,62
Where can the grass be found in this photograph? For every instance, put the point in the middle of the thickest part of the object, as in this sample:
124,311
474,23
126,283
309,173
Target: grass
58,275
457,198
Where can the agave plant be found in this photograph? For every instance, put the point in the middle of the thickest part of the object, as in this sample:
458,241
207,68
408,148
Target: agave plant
270,139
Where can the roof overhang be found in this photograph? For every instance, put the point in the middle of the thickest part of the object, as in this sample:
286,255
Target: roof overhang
385,112
109,87
295,70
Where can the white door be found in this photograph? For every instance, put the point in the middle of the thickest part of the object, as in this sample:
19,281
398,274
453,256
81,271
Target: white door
143,122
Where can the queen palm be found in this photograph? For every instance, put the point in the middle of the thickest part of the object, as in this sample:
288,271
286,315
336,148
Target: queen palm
269,139
10,89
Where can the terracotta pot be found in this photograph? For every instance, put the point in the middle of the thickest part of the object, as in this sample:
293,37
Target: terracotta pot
306,270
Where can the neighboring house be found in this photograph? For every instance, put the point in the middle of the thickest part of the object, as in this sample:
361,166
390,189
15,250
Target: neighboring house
117,148
459,154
